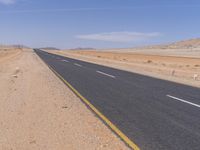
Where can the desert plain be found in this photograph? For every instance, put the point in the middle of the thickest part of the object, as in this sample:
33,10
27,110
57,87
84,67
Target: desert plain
176,65
38,112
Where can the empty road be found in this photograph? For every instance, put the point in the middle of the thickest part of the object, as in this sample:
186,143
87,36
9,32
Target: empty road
155,114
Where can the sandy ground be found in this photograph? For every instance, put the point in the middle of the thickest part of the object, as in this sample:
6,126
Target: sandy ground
38,112
8,53
165,65
190,52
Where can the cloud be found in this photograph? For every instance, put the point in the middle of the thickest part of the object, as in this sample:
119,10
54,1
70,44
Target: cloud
7,2
119,36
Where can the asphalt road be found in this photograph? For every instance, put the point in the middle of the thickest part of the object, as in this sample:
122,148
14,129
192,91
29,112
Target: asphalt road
155,114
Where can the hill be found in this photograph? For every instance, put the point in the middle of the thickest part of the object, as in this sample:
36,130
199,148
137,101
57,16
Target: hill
49,48
185,44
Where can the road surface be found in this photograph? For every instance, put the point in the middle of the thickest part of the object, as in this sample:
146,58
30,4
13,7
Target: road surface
155,114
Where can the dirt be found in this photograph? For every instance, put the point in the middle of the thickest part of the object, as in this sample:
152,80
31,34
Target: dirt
38,112
8,53
176,68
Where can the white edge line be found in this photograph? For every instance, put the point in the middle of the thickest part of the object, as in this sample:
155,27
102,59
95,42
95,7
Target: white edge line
184,101
106,74
77,64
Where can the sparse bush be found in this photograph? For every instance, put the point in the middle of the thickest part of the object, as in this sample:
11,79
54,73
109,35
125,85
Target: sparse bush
197,65
187,65
149,61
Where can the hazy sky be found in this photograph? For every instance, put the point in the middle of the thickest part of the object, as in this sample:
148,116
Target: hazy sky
97,23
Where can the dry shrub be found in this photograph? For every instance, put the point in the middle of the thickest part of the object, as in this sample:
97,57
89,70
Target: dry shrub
149,61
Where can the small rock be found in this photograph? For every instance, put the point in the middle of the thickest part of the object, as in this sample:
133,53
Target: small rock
33,142
173,72
64,107
17,70
15,76
195,77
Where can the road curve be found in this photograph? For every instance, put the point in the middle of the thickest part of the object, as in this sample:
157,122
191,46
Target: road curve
155,114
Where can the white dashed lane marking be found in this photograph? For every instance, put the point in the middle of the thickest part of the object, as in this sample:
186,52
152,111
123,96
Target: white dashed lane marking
184,101
77,65
65,60
103,73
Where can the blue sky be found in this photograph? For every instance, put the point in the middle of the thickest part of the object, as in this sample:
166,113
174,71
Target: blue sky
97,23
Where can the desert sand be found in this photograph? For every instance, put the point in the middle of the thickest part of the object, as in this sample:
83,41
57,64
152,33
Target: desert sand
38,112
8,53
177,65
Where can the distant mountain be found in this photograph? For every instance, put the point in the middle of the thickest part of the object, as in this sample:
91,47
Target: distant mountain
192,43
50,48
185,44
81,48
